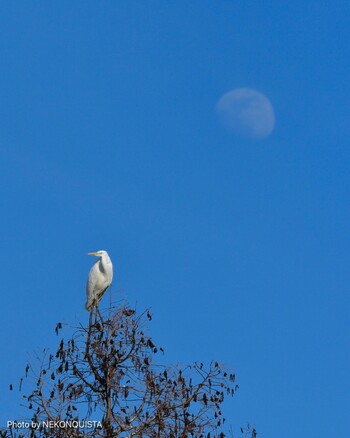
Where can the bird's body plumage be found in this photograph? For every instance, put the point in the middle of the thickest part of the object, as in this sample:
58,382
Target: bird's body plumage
100,278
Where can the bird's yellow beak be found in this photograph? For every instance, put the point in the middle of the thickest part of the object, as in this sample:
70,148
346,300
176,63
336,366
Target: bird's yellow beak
92,253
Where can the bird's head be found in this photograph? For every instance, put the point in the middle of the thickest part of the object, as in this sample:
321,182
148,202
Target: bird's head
97,253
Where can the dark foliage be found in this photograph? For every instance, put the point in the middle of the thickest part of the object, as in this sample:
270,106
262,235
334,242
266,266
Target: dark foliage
106,372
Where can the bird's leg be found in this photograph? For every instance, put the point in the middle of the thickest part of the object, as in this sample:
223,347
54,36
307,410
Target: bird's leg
99,314
94,313
90,319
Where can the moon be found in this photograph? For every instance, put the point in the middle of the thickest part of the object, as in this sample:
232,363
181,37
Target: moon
247,112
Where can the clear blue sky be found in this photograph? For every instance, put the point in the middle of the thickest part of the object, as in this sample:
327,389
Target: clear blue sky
109,140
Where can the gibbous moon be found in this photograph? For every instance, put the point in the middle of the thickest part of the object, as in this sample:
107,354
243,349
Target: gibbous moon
247,112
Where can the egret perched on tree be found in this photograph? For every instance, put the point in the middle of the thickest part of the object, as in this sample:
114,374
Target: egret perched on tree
100,278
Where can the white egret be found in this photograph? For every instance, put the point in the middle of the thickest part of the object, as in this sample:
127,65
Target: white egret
100,278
